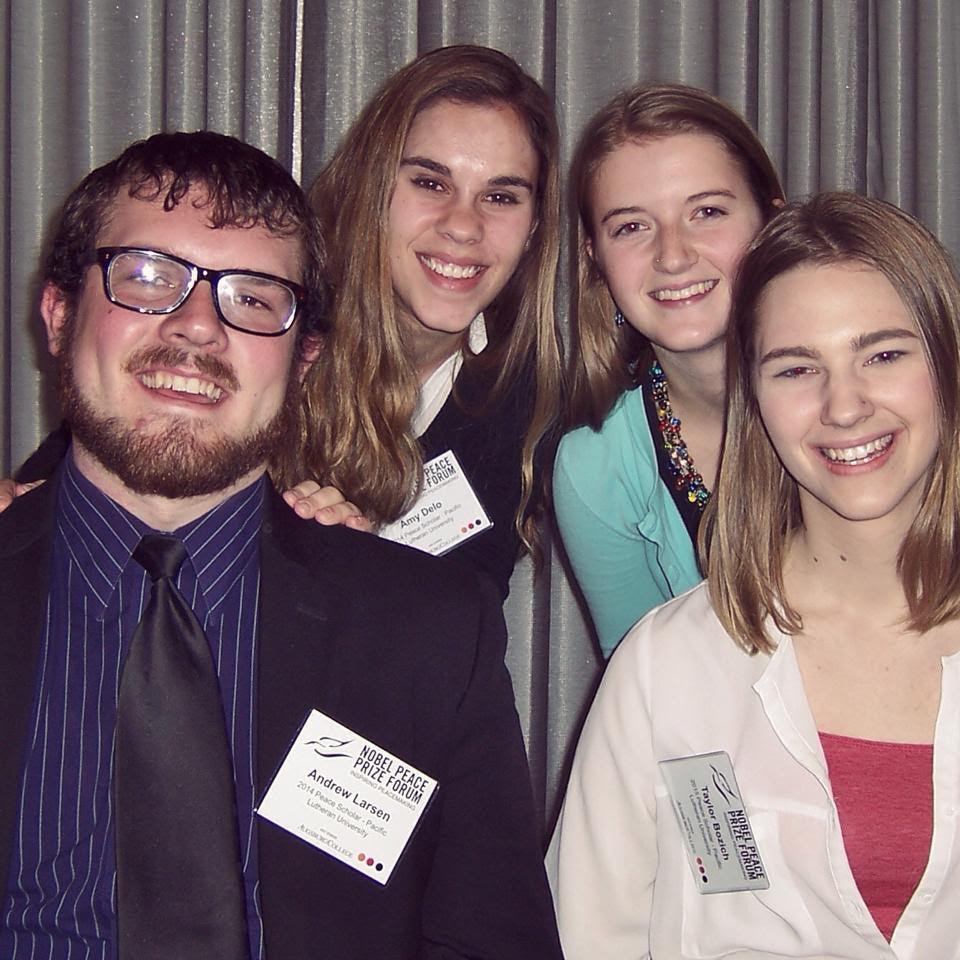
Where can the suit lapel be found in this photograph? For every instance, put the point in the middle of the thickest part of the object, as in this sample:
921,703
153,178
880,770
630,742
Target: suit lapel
295,630
293,635
26,537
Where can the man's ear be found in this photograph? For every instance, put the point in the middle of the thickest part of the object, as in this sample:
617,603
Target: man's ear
55,312
309,351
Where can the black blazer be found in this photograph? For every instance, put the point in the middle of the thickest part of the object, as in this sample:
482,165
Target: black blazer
407,651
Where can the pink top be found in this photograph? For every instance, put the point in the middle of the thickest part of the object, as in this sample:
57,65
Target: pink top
888,853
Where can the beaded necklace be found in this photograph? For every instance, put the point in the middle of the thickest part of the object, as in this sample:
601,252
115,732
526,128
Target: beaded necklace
681,463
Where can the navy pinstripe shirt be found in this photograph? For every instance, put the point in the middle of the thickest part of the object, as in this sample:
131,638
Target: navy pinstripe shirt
59,902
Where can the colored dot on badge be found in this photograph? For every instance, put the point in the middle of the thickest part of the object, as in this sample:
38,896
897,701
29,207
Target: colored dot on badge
703,869
699,862
704,879
379,866
477,522
369,861
463,529
361,857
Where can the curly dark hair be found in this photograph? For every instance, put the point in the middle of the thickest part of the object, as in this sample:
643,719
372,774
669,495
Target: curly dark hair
244,187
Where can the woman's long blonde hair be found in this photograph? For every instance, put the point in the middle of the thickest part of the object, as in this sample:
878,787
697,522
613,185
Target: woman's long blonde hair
603,355
361,393
756,506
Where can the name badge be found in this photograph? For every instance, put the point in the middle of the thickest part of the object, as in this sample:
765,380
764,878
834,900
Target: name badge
446,514
720,845
347,797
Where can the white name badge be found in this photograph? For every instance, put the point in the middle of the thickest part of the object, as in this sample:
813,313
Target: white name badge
447,512
720,846
348,797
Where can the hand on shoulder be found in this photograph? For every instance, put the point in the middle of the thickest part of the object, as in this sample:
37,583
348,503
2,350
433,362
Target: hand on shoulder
326,505
10,490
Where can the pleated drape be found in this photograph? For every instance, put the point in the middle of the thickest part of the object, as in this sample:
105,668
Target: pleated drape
852,94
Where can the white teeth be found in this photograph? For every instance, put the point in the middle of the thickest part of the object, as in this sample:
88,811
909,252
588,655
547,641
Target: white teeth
860,453
703,286
451,271
172,381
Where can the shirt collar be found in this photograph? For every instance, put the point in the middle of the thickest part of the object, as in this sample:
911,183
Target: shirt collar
100,536
780,688
477,334
437,387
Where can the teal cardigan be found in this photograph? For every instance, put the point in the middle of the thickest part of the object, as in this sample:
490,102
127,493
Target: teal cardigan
620,526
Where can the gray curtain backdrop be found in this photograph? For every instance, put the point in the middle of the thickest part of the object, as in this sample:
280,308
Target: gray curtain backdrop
851,94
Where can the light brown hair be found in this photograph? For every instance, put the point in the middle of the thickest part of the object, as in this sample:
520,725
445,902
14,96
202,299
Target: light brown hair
755,509
603,356
362,392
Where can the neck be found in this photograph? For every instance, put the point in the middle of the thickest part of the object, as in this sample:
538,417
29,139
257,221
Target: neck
159,513
849,565
429,348
696,380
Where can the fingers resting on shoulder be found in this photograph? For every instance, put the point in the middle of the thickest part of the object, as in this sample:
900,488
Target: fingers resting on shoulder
10,490
326,505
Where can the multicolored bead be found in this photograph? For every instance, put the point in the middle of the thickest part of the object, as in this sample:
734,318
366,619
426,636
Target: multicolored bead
681,463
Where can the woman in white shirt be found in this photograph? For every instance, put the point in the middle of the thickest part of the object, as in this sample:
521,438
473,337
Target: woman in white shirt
809,693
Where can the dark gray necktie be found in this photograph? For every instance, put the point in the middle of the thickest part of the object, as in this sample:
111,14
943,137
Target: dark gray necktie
180,892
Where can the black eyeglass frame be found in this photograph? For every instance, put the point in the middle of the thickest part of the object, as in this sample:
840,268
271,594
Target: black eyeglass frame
104,255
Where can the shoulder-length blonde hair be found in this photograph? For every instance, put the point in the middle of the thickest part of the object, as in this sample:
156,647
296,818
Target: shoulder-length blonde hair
362,392
756,507
603,355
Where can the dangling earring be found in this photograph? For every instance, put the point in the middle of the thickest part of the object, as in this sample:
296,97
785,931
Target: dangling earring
618,318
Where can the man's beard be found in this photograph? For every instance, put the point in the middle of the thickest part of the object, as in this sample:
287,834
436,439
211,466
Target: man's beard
173,460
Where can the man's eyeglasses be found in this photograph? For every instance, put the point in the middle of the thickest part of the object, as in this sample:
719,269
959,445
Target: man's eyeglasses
158,283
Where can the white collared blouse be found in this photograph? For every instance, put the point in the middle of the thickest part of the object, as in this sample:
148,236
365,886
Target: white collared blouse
679,686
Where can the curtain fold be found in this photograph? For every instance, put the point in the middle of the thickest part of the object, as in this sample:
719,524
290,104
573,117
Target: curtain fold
851,94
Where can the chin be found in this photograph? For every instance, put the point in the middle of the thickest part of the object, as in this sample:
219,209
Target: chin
868,510
444,322
695,345
177,462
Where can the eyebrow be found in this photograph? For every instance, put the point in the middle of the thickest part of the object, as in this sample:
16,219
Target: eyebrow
693,198
866,340
861,342
444,171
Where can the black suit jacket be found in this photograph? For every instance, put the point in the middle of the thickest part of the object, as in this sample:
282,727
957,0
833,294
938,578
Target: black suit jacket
401,648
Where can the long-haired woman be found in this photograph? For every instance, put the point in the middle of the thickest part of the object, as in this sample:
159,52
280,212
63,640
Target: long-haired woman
671,185
440,212
771,767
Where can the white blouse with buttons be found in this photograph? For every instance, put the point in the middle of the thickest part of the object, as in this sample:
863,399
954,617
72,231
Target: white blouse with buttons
679,686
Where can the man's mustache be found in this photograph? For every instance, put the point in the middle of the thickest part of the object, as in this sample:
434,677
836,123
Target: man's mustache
164,356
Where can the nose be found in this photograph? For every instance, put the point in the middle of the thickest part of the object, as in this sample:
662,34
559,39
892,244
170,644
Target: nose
674,251
461,221
845,401
196,321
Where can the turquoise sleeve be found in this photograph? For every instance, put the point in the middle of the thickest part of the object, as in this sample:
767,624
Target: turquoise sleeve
615,566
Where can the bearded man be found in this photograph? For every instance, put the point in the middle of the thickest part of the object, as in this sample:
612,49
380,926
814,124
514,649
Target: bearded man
229,733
